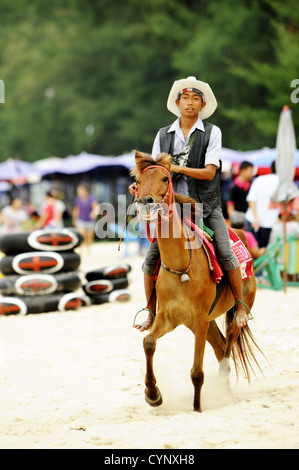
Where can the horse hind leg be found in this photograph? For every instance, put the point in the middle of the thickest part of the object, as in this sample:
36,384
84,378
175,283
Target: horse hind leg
219,345
232,333
216,340
197,374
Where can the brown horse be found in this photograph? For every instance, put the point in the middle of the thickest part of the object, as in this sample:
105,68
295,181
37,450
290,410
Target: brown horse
187,303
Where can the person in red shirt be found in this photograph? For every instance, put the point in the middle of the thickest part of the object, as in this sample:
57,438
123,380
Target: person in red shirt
239,189
47,218
238,221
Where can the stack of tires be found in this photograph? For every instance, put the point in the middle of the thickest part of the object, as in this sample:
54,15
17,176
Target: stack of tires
108,284
39,272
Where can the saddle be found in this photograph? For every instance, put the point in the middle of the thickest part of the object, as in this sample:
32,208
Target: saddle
205,234
238,247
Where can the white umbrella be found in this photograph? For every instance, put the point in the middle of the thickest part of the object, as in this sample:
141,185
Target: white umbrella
286,196
285,161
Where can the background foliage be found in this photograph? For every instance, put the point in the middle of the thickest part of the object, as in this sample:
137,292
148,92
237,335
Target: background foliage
94,75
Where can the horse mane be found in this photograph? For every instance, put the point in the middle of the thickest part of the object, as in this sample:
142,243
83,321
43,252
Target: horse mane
189,206
143,160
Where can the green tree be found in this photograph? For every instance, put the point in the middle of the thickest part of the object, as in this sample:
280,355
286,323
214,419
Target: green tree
274,75
94,75
227,38
67,72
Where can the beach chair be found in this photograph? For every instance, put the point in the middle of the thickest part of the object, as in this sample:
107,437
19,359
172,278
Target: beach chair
292,260
266,268
269,267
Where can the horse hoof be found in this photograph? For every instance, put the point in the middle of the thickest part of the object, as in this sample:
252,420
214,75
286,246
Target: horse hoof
157,402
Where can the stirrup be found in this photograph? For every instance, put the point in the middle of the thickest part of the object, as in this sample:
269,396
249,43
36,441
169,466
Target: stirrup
241,302
145,308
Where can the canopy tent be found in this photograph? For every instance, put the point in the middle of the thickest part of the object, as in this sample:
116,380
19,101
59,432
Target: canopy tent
84,162
263,158
19,172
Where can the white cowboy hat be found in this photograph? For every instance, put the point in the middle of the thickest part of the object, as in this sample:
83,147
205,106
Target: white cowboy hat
191,82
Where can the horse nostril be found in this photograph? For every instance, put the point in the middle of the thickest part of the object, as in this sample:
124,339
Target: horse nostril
145,200
149,200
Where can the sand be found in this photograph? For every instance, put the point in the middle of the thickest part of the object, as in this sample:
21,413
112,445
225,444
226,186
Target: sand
75,380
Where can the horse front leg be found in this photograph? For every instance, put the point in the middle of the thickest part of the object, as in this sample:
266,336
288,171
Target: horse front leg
197,373
152,393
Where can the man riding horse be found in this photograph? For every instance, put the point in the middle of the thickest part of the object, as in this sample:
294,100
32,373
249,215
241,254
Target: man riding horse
195,147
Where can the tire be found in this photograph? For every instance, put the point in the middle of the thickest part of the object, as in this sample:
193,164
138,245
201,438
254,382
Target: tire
39,283
48,303
41,240
109,272
39,261
103,286
122,295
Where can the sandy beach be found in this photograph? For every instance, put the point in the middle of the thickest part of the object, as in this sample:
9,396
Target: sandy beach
75,380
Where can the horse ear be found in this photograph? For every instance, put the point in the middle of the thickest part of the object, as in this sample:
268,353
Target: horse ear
164,160
143,160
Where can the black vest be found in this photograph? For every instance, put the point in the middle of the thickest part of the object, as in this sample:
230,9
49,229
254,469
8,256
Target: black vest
206,192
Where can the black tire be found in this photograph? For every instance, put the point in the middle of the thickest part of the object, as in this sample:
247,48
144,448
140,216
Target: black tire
39,283
48,303
65,239
103,286
109,272
39,261
122,295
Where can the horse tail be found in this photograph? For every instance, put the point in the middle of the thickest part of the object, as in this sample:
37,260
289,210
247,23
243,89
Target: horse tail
242,351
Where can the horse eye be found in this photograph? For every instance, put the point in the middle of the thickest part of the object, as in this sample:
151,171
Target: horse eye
165,179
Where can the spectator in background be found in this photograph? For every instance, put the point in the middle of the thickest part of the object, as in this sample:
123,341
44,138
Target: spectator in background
59,208
239,189
288,262
47,217
238,221
292,228
14,217
84,214
261,219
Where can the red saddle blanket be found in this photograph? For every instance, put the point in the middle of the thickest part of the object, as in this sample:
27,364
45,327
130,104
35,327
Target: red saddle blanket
238,247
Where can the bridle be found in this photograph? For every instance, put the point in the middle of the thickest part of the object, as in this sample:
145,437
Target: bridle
158,207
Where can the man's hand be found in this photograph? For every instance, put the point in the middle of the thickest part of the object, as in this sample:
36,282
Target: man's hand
176,168
133,188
